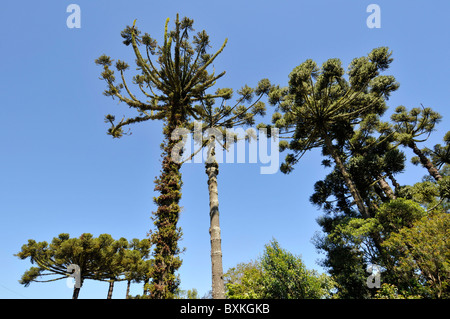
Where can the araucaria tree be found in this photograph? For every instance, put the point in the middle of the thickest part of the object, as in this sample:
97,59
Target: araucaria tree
321,107
168,86
211,129
99,259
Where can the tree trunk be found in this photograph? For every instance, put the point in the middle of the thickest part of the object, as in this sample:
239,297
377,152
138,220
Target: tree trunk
76,292
394,182
381,194
165,239
347,178
425,161
127,294
212,170
386,188
110,289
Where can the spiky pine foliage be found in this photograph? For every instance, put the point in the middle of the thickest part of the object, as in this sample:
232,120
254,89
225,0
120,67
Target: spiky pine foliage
100,258
137,263
414,127
170,85
320,106
169,89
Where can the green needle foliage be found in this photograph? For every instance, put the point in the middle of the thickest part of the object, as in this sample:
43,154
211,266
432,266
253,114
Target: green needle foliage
170,83
137,264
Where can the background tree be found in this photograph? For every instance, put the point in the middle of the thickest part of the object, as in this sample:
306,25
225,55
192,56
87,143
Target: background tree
187,294
371,157
389,291
170,87
278,274
286,276
245,281
423,254
344,264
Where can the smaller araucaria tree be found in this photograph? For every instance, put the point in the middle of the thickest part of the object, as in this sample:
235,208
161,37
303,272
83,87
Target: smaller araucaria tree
95,258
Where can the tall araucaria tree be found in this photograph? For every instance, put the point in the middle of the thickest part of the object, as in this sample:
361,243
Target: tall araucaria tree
169,85
211,128
321,108
440,155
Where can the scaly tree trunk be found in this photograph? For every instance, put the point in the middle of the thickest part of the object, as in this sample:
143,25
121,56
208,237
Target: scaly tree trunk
425,161
127,294
386,188
394,182
212,170
347,178
166,262
110,289
76,292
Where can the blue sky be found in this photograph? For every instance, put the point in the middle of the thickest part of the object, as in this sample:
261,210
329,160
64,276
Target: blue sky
60,172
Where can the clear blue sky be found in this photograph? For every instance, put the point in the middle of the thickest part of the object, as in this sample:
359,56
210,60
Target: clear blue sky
60,172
